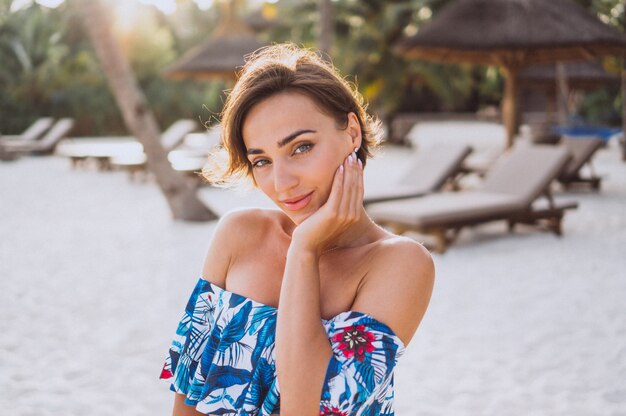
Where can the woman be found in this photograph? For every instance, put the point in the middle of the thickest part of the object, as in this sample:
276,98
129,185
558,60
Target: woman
302,310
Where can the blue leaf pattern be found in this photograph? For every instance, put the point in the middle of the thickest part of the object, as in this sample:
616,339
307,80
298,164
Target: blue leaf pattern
222,358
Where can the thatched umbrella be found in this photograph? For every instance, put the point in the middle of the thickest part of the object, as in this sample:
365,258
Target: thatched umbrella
222,54
513,34
219,57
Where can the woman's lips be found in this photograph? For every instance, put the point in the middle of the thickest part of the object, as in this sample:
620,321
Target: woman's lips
296,204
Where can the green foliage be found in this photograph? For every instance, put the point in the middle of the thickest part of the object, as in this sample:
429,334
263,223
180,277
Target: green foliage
31,50
49,67
609,11
602,107
365,32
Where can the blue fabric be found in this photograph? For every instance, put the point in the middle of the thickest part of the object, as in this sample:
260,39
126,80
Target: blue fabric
222,358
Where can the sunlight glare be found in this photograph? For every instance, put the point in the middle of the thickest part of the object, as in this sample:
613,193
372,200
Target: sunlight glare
17,5
204,4
617,11
165,6
425,13
258,3
127,14
52,4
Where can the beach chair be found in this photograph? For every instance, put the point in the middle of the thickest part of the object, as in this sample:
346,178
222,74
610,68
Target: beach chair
190,157
511,191
32,133
430,170
582,151
135,162
126,148
45,145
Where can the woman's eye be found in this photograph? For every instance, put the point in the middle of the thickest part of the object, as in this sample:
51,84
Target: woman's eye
303,148
259,163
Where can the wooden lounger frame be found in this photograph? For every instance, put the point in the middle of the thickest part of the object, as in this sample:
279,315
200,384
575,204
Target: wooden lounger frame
549,218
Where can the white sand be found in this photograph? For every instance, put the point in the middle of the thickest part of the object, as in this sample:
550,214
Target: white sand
95,276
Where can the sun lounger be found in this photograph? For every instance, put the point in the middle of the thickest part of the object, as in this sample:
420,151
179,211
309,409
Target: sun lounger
188,157
81,150
104,150
582,151
172,137
45,145
510,191
176,133
32,133
191,156
430,170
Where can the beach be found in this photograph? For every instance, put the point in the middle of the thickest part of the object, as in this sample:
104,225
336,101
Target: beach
95,276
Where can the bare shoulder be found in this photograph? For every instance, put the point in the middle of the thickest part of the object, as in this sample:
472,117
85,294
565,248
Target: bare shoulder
402,254
234,233
398,285
249,219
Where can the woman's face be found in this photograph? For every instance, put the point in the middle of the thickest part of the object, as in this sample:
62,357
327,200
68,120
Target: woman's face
295,150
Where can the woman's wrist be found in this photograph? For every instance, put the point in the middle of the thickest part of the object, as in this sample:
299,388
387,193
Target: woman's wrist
302,250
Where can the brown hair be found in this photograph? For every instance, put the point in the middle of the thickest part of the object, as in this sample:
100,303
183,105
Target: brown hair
281,68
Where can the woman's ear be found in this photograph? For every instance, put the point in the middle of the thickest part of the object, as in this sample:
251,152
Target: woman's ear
354,130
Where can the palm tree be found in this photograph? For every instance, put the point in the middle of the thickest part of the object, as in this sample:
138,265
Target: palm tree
326,26
138,118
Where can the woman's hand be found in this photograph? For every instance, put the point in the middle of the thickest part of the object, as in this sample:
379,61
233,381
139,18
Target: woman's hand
342,209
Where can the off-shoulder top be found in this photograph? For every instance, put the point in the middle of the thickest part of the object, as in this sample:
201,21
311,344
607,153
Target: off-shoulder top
222,358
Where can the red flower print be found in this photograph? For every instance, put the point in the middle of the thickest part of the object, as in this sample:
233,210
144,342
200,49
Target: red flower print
355,341
332,411
165,373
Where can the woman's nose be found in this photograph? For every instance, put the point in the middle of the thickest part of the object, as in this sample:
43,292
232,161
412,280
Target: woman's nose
285,177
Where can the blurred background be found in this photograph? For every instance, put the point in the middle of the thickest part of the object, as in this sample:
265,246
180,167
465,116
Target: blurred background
49,68
95,271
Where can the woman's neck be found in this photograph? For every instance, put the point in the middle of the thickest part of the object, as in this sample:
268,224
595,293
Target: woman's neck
362,232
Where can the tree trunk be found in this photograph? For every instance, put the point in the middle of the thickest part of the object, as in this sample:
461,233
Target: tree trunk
562,92
509,105
326,26
139,120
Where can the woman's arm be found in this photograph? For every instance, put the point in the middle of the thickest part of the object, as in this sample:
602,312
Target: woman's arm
302,348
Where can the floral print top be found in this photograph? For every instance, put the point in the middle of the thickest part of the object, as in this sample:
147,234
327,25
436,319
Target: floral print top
222,358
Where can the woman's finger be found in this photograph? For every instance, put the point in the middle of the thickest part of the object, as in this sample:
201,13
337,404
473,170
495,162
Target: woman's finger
336,190
348,188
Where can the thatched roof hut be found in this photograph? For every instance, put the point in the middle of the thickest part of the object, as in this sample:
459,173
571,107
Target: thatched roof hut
513,34
219,57
223,53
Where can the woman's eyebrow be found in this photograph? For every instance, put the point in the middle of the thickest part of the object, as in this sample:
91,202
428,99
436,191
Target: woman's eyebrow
293,136
282,142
